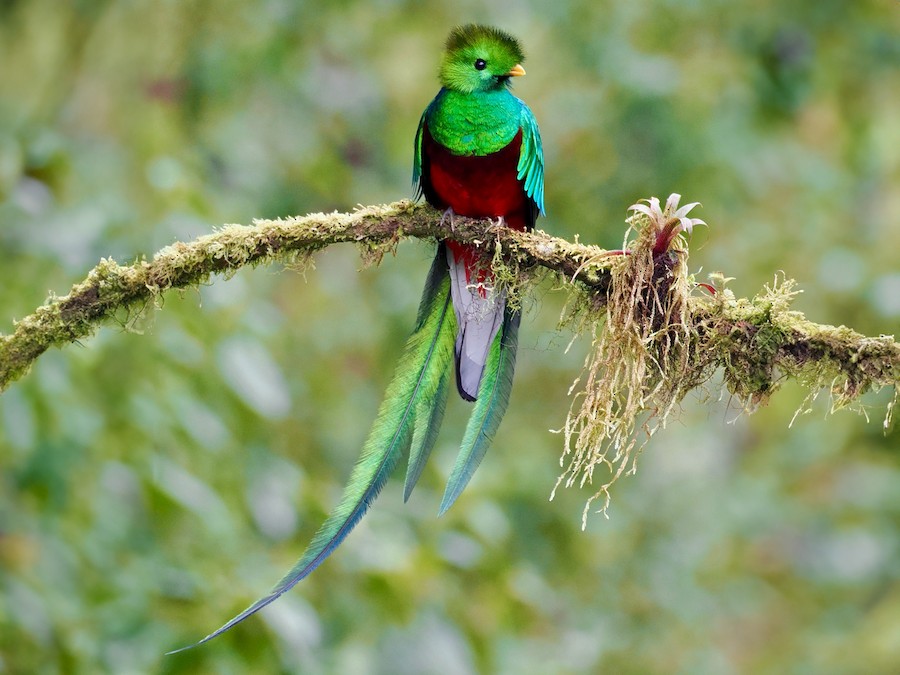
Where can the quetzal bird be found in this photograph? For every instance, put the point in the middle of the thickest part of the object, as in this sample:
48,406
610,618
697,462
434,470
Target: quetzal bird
478,154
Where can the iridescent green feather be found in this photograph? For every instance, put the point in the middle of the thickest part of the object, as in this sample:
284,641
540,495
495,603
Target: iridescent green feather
428,417
417,153
531,159
406,417
432,399
493,398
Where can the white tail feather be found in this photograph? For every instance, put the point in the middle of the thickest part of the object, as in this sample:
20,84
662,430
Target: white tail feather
479,315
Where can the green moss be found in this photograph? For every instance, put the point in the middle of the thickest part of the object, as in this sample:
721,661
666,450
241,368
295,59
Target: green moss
654,339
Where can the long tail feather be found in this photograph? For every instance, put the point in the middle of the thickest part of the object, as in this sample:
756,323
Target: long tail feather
432,399
493,398
403,418
429,415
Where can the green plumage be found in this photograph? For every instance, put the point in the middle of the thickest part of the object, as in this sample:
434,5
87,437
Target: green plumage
482,123
493,398
409,417
531,159
474,124
428,417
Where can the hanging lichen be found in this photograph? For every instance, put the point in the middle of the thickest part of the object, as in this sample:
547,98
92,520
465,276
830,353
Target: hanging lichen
644,357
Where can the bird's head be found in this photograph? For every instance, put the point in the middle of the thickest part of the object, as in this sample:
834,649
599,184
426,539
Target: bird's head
480,58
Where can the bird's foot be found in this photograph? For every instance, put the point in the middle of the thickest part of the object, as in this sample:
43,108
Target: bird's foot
449,214
501,222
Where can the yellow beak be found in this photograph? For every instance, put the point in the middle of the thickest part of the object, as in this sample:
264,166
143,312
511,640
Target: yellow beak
516,71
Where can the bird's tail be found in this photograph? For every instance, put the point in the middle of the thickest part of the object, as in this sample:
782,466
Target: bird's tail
485,354
479,314
408,418
490,406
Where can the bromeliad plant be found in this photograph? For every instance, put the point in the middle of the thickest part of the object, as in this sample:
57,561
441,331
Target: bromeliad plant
643,360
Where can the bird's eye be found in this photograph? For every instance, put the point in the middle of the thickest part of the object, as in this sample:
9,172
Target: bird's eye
480,64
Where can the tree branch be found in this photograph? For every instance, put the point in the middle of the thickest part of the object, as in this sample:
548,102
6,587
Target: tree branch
757,341
109,288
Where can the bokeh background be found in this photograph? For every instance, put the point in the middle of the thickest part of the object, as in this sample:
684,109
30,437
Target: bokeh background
157,478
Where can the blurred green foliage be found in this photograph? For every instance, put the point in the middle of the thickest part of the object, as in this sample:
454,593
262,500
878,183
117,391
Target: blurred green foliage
162,475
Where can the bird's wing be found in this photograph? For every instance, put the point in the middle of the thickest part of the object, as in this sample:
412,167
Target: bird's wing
530,169
419,170
417,158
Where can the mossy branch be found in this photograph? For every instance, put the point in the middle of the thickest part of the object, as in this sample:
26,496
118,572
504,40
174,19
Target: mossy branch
657,334
110,288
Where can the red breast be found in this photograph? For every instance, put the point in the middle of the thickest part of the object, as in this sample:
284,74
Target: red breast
478,186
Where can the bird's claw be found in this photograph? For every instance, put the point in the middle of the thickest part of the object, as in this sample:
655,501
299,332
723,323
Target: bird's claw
501,222
448,215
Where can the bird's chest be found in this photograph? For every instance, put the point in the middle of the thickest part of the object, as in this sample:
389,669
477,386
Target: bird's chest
474,185
474,125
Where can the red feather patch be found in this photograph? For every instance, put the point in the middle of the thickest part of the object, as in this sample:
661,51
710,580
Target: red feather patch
478,186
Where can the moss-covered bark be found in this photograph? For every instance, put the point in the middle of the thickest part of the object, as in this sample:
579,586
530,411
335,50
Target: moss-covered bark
110,288
656,335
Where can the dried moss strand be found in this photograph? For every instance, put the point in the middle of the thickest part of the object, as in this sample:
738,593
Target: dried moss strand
659,342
